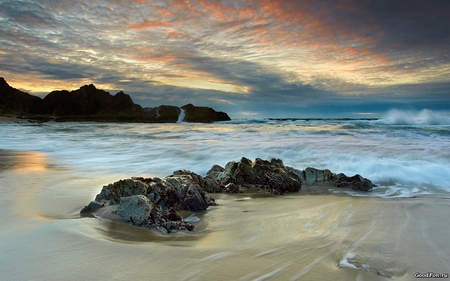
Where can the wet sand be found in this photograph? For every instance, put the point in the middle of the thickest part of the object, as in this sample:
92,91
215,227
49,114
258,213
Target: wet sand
248,237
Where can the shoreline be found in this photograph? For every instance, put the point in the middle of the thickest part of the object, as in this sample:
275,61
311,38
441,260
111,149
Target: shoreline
14,119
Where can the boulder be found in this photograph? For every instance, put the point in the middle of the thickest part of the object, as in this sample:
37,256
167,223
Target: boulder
267,175
203,114
92,207
313,176
356,182
139,210
163,198
122,188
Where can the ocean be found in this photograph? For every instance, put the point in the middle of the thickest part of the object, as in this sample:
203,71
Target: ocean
50,171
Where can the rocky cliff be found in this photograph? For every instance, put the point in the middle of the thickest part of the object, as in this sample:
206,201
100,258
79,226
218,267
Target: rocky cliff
202,114
91,104
13,101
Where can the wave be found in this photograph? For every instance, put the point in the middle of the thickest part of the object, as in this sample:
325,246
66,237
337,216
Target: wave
403,161
413,117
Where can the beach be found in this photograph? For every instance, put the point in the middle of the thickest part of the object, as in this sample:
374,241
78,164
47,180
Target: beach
303,236
50,171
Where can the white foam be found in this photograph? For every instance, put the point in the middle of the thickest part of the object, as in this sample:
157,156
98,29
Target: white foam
192,218
410,117
403,161
345,261
182,116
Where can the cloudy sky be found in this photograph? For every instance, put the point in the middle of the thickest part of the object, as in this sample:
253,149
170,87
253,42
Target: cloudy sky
284,58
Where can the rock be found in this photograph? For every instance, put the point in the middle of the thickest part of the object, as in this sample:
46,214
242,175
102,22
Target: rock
195,199
91,104
275,177
135,209
138,210
356,182
122,188
270,175
163,198
312,176
211,185
162,114
154,202
92,207
13,101
231,188
315,176
203,114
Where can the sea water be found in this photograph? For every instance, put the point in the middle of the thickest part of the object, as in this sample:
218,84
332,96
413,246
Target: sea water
405,153
49,171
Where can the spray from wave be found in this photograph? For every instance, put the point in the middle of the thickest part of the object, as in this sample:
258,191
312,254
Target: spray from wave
409,117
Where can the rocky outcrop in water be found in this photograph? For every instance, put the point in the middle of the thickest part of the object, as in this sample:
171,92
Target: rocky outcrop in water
312,176
154,202
202,114
163,198
91,104
275,177
265,175
162,114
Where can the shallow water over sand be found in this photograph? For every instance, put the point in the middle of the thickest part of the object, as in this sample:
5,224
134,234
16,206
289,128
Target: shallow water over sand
403,160
248,237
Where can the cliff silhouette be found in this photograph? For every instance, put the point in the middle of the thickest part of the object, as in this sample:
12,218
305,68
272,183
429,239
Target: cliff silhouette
91,104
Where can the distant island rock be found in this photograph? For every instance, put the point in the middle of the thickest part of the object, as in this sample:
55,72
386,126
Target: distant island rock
155,202
91,104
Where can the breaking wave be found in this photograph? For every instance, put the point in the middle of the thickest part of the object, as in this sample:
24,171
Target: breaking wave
409,117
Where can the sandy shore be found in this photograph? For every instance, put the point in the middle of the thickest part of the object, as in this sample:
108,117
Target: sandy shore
247,237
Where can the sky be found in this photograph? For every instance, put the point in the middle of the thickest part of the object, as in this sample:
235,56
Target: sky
251,59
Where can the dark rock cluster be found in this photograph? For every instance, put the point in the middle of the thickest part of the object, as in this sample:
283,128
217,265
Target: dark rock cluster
91,104
312,176
202,114
270,175
154,202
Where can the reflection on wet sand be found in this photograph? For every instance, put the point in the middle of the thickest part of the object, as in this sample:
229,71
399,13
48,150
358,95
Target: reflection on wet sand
23,161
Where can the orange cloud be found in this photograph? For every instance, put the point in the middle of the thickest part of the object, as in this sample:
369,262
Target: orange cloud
164,12
148,23
173,34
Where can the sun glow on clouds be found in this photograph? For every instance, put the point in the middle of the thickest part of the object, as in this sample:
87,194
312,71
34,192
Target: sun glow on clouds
209,85
40,87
